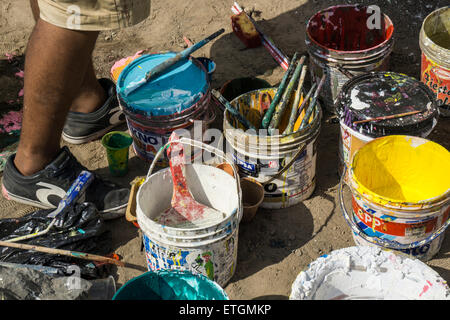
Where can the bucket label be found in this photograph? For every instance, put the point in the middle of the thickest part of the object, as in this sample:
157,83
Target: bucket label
145,143
437,78
390,225
216,262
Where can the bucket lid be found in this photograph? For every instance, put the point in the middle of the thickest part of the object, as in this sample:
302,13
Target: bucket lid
180,87
380,94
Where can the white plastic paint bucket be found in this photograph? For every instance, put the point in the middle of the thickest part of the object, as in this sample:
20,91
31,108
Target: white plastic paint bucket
400,195
284,164
209,250
368,273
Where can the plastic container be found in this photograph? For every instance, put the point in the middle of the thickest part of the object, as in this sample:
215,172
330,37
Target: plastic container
252,197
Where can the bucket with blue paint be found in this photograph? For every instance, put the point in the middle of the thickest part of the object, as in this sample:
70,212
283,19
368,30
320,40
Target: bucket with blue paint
172,101
210,249
170,285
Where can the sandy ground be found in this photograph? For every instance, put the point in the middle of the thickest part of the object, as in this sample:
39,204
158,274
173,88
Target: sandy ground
277,244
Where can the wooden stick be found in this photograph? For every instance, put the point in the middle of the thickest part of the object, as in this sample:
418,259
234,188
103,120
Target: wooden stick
268,116
306,100
74,254
298,94
312,105
388,117
281,107
233,111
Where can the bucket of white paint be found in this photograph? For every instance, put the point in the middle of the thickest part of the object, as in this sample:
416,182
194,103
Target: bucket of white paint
400,195
368,273
210,249
284,164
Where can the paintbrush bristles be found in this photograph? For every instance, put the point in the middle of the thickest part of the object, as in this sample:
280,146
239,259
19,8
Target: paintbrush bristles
295,106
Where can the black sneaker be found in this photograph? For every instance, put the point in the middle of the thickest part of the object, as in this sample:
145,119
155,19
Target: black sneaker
84,127
47,187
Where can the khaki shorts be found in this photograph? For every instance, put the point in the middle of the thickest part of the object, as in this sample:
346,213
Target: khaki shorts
94,15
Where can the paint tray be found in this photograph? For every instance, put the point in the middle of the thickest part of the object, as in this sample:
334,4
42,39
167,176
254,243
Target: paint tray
130,213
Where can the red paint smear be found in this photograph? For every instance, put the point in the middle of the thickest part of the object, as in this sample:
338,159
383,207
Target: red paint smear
345,28
425,288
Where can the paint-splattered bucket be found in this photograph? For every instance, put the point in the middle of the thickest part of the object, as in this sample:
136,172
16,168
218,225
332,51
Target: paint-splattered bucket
170,285
347,40
368,273
381,94
435,44
284,164
209,250
400,187
173,101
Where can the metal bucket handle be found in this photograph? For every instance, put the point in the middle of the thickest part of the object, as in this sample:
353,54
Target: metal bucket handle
206,147
388,244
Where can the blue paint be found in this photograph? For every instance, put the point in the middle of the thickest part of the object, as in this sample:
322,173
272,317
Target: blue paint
180,87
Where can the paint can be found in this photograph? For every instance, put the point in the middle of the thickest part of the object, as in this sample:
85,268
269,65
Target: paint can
173,101
284,164
209,250
347,40
434,42
170,285
380,94
400,195
368,273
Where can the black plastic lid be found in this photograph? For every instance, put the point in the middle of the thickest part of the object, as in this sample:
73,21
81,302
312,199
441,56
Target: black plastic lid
379,94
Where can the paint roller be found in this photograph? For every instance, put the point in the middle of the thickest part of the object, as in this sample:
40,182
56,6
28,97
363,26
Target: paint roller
160,68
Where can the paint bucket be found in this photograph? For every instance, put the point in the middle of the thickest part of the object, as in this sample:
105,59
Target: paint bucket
170,285
252,197
434,41
209,65
173,101
368,273
284,164
117,144
380,94
347,39
400,188
209,250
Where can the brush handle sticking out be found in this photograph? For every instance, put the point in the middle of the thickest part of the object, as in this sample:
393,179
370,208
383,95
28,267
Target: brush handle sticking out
235,112
268,116
306,100
311,107
295,106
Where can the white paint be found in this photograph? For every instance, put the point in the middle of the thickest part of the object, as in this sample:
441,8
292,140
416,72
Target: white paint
356,103
369,273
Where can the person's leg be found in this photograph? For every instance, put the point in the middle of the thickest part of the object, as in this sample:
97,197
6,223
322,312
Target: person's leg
92,95
50,86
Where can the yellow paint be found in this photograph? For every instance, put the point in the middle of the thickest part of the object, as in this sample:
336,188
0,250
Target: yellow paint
402,169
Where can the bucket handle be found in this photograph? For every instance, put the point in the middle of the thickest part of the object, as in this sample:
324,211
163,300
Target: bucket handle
206,147
279,173
388,244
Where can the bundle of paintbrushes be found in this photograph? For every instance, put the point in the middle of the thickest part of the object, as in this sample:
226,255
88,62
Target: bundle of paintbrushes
295,75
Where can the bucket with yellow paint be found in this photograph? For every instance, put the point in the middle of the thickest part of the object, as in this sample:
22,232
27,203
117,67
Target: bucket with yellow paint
400,189
284,164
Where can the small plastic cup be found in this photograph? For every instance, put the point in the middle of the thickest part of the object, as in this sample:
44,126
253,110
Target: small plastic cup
117,144
252,197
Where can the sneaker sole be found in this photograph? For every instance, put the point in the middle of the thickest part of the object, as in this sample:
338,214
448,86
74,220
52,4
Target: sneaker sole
89,138
12,197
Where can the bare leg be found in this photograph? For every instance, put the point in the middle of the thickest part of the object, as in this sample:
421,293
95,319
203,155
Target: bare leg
56,63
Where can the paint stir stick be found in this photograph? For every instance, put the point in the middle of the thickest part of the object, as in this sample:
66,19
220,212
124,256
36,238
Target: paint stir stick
160,68
294,110
394,116
279,110
312,105
268,116
184,210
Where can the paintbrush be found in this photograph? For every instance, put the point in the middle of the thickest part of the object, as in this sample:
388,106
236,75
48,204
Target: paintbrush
268,116
312,105
295,108
160,68
235,112
73,254
306,100
394,116
281,107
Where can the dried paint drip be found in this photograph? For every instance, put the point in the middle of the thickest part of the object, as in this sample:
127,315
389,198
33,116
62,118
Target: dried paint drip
368,273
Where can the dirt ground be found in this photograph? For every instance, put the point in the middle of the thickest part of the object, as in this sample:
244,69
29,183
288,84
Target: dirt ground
277,244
